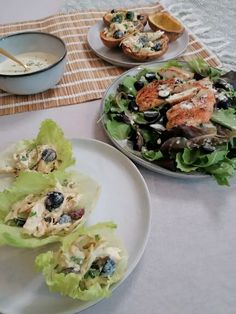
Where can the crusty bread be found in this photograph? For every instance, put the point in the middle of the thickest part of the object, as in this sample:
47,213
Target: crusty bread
144,55
107,17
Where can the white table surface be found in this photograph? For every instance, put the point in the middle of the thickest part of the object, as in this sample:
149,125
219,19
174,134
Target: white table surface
189,266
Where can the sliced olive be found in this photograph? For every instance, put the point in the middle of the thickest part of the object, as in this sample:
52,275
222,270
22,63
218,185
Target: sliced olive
208,148
20,221
122,117
49,155
130,97
54,200
138,85
223,104
133,106
140,17
118,34
150,76
151,115
157,47
130,15
113,11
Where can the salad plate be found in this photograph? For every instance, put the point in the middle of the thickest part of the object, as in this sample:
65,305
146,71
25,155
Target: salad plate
22,289
115,55
182,150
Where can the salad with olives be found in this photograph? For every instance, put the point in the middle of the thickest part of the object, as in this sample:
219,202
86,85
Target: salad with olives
38,209
48,152
89,261
179,116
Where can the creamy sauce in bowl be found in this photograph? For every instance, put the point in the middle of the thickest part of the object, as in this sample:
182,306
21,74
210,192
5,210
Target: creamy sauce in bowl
34,60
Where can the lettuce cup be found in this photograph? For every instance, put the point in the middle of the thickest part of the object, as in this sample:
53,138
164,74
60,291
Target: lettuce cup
38,209
89,261
48,152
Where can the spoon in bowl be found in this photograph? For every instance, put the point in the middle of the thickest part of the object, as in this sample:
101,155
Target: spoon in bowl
10,56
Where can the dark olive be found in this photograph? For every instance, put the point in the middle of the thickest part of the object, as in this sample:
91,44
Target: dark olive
133,106
122,117
117,18
221,83
208,149
140,17
49,154
223,104
130,15
20,221
118,34
54,200
157,47
138,85
150,76
113,11
151,116
130,97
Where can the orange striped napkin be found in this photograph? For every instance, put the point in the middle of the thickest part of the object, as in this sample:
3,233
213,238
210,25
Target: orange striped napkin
86,76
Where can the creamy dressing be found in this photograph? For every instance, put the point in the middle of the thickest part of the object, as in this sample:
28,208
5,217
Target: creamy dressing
34,60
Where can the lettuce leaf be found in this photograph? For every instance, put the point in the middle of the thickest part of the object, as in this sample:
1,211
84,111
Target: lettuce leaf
200,66
225,117
216,163
49,133
35,183
70,284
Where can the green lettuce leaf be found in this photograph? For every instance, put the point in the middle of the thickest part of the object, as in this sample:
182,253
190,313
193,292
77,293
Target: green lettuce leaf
216,163
70,284
225,117
118,130
49,133
200,66
151,155
36,183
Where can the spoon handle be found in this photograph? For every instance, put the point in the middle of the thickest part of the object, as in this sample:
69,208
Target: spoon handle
8,55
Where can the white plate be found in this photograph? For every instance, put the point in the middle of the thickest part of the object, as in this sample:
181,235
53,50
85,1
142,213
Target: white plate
124,199
115,55
124,147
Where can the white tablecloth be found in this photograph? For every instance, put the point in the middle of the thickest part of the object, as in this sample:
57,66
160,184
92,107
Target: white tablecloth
189,266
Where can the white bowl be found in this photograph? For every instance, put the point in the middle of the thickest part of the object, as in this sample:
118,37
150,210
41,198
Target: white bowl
40,80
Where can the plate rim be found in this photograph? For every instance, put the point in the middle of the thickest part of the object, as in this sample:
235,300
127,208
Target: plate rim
148,213
146,164
132,63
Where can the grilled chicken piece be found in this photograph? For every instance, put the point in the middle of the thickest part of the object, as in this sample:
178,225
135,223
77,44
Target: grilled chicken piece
193,112
174,72
148,96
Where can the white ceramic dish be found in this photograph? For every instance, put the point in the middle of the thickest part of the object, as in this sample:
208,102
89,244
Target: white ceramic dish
115,55
123,145
38,81
124,190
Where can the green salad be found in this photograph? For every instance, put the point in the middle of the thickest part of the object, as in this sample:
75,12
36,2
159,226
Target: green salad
180,116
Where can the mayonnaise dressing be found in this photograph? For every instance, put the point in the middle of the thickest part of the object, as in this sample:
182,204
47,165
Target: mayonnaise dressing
34,60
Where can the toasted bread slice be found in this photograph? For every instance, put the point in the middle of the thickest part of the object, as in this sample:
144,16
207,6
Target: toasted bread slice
118,16
144,46
113,35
